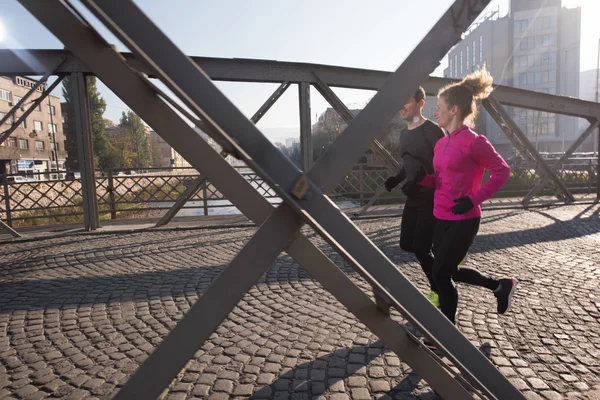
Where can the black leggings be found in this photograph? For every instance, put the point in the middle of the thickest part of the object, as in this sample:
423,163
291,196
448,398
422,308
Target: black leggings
451,242
416,236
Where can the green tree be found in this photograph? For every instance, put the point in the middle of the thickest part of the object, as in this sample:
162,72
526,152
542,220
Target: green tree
132,130
104,156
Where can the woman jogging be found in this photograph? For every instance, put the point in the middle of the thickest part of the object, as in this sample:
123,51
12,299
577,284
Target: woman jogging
459,162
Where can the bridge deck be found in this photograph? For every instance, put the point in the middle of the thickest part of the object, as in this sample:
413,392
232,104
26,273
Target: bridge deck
78,313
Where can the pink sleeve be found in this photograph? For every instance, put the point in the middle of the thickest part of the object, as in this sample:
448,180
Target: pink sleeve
428,181
486,156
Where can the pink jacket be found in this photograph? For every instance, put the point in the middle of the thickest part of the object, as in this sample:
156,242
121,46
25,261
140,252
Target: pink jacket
459,162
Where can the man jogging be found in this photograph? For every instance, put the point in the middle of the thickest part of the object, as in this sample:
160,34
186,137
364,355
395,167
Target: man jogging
416,148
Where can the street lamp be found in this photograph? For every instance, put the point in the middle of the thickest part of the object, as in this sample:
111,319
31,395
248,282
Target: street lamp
571,47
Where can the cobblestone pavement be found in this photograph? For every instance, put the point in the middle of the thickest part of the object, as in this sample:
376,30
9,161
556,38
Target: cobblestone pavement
78,314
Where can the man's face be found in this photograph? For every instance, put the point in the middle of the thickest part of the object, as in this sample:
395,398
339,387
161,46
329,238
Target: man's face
410,110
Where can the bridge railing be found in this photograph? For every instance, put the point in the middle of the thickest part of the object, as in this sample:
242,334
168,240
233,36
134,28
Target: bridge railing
41,200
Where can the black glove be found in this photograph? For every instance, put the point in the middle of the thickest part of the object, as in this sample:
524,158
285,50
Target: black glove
463,205
391,183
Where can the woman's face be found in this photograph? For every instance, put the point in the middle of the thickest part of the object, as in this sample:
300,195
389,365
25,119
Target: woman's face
444,114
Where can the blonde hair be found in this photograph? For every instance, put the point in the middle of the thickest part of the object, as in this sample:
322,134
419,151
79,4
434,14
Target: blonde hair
475,86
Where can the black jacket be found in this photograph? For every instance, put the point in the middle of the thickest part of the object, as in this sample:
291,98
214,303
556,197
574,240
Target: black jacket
416,150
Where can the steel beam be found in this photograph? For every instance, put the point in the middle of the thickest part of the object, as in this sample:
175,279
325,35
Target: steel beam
4,135
556,166
269,102
306,149
183,198
9,230
18,62
24,98
83,131
194,186
514,133
347,116
176,70
139,96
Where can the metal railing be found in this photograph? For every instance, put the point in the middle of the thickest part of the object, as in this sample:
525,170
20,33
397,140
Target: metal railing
149,192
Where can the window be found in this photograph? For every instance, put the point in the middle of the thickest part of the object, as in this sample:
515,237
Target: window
545,58
530,77
52,128
23,124
9,121
12,142
17,99
546,23
450,65
545,77
480,48
23,144
524,25
517,26
39,107
461,62
5,95
51,110
468,60
455,65
39,145
538,77
523,78
37,125
55,147
474,49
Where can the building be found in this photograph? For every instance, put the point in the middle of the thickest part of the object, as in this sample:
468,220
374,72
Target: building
535,47
588,90
289,142
38,145
169,158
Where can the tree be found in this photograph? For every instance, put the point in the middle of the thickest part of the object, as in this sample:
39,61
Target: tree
134,138
103,153
325,131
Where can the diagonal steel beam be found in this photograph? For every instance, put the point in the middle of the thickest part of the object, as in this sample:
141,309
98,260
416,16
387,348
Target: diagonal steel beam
139,96
194,88
9,230
343,111
556,166
194,186
516,136
269,102
4,135
24,98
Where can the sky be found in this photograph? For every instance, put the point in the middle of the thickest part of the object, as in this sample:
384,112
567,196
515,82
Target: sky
353,33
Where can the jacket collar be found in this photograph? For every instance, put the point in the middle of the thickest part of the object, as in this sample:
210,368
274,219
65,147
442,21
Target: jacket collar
459,130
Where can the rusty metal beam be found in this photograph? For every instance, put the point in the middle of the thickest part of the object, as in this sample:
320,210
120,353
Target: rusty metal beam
18,62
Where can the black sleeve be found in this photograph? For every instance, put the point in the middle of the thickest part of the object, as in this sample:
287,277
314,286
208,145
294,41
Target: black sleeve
401,175
433,133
